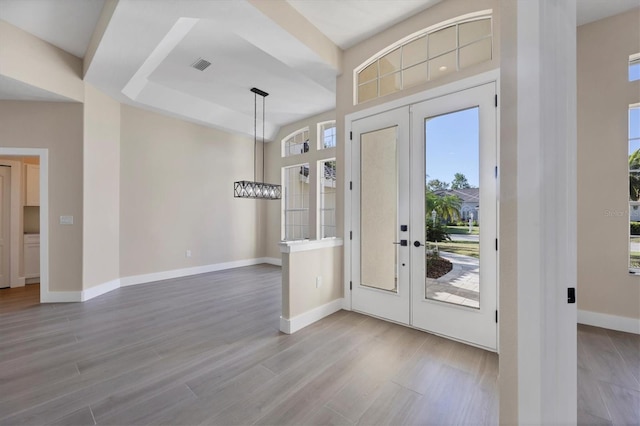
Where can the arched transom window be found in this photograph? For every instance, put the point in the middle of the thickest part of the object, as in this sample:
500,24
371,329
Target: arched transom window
424,56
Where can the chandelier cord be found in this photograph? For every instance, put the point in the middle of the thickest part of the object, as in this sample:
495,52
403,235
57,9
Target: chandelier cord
255,136
263,139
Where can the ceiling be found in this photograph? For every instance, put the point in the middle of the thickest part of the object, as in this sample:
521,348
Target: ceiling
67,24
348,22
245,47
593,10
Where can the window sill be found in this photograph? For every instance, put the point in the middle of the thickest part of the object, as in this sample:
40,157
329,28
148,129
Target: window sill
307,245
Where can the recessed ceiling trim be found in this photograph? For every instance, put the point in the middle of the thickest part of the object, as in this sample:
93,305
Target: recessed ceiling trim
140,79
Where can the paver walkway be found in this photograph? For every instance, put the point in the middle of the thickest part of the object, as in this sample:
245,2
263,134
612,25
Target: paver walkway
461,285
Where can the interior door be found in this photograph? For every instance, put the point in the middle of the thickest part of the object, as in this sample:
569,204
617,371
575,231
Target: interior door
454,283
380,194
5,200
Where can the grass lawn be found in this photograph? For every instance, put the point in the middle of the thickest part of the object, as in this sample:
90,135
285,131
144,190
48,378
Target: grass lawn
465,248
635,238
634,259
462,230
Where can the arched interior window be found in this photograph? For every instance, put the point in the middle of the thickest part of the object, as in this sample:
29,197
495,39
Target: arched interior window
296,143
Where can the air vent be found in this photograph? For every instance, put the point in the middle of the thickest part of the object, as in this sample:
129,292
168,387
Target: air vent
201,64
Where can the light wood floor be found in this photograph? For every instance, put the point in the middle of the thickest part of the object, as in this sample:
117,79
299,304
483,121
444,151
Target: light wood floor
206,350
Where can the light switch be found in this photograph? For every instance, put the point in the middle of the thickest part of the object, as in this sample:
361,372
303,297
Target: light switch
66,220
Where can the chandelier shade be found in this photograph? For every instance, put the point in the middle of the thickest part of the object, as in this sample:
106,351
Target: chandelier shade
254,189
259,190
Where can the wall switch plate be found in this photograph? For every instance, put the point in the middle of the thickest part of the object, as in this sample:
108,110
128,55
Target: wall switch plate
318,281
66,220
187,253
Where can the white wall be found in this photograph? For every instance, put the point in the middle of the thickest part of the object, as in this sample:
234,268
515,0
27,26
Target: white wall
604,94
176,194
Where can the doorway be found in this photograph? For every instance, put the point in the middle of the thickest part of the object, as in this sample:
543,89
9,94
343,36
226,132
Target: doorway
18,198
424,216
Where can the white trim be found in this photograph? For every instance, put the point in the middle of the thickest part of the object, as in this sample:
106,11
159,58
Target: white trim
177,273
60,296
490,76
307,245
291,325
90,293
15,233
277,261
611,322
99,290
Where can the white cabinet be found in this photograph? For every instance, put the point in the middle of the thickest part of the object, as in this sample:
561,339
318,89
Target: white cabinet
32,185
31,256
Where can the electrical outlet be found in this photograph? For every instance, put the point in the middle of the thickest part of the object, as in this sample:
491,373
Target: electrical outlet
318,281
187,253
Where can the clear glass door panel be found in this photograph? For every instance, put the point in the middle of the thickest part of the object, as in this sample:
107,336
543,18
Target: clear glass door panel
379,209
452,202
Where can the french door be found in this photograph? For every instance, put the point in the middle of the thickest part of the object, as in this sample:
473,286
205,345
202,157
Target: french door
424,216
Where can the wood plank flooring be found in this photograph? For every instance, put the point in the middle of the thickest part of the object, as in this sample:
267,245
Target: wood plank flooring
608,377
207,350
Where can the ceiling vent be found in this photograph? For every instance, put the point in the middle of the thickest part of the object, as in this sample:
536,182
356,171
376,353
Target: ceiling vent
201,64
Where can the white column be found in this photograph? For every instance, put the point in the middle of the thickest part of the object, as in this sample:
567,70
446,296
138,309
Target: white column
547,359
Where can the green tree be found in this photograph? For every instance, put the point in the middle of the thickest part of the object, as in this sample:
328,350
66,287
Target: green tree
634,178
437,184
446,206
460,182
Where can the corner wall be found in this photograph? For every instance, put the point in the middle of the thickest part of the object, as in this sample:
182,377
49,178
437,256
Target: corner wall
604,94
101,198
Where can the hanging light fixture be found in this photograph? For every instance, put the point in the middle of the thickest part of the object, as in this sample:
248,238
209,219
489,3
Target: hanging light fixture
253,189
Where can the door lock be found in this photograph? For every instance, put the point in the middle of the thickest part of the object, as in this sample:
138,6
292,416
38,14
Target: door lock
403,243
417,243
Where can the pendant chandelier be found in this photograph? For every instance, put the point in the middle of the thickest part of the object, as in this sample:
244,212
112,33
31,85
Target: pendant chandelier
253,189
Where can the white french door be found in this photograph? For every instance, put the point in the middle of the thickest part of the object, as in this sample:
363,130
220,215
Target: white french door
445,287
381,275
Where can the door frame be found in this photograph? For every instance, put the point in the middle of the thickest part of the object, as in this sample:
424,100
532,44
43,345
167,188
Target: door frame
43,155
492,76
14,223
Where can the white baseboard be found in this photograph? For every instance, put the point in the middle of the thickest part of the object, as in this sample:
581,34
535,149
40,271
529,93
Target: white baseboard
99,290
61,297
90,293
291,325
612,322
177,273
20,282
272,261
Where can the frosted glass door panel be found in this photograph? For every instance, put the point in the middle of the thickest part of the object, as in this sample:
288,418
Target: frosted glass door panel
379,209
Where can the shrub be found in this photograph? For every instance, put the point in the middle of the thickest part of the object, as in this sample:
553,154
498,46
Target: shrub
634,228
437,232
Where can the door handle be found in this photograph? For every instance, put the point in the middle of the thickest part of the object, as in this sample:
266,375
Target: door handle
417,243
403,243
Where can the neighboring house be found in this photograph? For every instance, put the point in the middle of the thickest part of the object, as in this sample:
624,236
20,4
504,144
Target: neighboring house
634,213
470,201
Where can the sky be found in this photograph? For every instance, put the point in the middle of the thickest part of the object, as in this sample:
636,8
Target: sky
634,71
634,129
452,146
634,113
